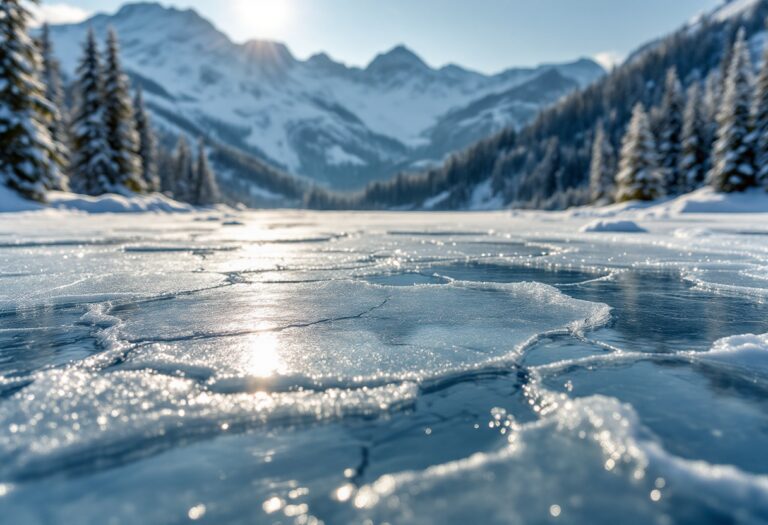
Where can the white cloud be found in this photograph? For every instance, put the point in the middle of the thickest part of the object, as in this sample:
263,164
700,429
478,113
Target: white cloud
57,14
609,59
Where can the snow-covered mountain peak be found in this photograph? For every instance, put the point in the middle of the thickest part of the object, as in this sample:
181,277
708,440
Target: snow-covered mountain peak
150,35
175,23
269,55
145,9
323,59
398,58
583,70
456,71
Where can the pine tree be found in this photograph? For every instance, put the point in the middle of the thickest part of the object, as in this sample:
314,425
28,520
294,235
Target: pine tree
639,176
712,94
206,192
693,161
147,144
760,122
727,45
92,168
733,157
710,109
601,175
51,77
547,173
120,121
671,127
183,172
166,167
30,160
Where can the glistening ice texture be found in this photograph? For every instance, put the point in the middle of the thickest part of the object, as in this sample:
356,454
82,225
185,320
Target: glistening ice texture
295,367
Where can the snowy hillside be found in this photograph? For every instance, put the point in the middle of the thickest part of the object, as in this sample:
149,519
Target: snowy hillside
733,9
317,118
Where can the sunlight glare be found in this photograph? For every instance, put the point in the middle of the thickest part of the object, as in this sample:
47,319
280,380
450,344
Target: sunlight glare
264,18
263,357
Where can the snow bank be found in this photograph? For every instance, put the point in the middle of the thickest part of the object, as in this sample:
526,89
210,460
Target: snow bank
706,200
612,210
10,201
431,202
113,203
623,226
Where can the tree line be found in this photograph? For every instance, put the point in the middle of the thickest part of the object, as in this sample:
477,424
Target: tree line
714,132
103,142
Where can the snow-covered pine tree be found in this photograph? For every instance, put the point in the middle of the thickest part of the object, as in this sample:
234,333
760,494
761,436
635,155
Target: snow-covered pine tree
91,167
670,132
693,160
728,38
547,173
733,157
710,108
760,122
120,121
183,172
147,144
206,191
30,160
639,176
166,167
601,172
51,77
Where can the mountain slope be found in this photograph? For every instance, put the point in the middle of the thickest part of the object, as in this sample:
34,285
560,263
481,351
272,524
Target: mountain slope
546,164
494,112
329,123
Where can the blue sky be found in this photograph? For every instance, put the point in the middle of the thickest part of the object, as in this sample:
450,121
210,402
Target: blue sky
486,35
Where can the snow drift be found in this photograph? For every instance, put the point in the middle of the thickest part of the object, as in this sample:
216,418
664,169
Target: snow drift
10,202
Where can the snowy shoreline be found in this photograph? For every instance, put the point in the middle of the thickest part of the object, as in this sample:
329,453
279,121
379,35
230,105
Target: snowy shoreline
11,202
701,201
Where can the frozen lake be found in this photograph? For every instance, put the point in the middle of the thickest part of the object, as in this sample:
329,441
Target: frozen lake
296,367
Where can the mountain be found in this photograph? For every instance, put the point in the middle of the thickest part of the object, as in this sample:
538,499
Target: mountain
319,119
546,163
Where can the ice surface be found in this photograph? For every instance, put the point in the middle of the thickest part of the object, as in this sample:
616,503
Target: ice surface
288,366
540,472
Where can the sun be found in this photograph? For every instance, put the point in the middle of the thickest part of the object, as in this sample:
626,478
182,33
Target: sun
264,18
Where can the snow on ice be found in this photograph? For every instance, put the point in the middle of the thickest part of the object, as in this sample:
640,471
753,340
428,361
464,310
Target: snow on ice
612,226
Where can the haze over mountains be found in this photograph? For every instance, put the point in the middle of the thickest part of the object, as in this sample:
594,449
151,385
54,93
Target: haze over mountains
318,119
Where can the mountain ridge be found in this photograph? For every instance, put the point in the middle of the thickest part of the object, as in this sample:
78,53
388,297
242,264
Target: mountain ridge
327,122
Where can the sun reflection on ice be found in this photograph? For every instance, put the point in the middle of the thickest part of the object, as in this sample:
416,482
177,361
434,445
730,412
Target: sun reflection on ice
261,355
